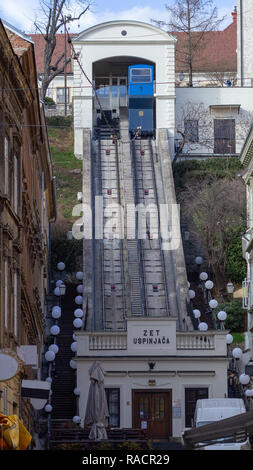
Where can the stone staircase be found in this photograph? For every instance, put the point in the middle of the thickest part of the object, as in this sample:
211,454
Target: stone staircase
64,377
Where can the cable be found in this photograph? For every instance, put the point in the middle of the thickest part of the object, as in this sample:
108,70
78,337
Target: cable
170,82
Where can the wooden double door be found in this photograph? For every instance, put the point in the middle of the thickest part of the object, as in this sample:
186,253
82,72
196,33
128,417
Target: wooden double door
152,411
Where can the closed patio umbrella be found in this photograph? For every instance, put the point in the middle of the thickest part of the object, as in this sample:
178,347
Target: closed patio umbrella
97,414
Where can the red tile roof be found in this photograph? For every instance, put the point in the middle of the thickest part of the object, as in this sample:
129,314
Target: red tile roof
39,45
217,54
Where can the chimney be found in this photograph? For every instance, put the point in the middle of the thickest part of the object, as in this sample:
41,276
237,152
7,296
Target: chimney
234,15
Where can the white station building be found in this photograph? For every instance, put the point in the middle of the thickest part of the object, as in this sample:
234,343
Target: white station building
105,52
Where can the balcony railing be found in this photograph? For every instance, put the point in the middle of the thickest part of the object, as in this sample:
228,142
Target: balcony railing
196,340
107,341
118,341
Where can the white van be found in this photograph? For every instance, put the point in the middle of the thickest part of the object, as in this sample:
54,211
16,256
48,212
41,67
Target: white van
214,409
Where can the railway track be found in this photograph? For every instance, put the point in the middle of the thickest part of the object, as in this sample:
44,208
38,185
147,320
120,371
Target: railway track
147,201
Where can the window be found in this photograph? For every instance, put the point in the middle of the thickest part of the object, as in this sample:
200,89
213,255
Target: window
191,128
6,166
224,136
61,95
6,296
141,76
15,304
15,189
191,397
113,400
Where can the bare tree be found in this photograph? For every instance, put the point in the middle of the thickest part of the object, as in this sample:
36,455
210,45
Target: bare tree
216,211
193,19
193,128
220,79
54,15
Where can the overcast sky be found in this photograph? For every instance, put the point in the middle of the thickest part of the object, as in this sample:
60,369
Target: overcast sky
22,13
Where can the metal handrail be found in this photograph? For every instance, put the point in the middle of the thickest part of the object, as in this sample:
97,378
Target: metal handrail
139,242
159,232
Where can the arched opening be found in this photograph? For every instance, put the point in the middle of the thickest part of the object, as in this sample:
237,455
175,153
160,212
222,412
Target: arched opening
110,78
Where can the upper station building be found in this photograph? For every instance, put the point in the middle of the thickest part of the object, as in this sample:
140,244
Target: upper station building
105,51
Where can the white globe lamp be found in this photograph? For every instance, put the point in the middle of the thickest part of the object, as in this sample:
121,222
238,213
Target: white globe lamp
72,364
54,330
61,266
78,313
50,356
77,392
237,353
203,276
48,408
56,312
229,339
79,289
76,419
203,326
54,348
196,313
244,379
222,316
79,275
79,299
57,291
199,260
73,346
213,303
191,294
77,323
209,285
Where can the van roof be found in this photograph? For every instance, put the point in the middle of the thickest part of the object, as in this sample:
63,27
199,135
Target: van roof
221,403
215,414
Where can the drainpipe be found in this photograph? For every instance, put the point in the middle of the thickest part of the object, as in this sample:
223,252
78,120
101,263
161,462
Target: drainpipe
241,40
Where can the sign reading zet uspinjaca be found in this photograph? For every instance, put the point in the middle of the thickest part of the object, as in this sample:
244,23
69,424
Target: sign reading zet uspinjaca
151,335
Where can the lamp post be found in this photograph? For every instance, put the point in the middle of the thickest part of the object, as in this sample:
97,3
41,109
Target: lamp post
230,289
213,304
237,354
222,316
229,340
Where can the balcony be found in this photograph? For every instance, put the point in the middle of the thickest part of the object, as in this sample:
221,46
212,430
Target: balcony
172,343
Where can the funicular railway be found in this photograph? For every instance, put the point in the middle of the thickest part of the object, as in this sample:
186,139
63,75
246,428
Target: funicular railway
136,277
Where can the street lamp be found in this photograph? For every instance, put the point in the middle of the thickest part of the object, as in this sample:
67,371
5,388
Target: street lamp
203,326
222,316
229,340
244,379
237,354
213,304
62,288
230,288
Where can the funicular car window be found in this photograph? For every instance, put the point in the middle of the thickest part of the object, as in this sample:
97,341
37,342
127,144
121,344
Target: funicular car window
141,75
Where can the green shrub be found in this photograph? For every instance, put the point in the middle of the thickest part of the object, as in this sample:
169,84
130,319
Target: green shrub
235,315
49,101
236,267
59,121
193,170
68,250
